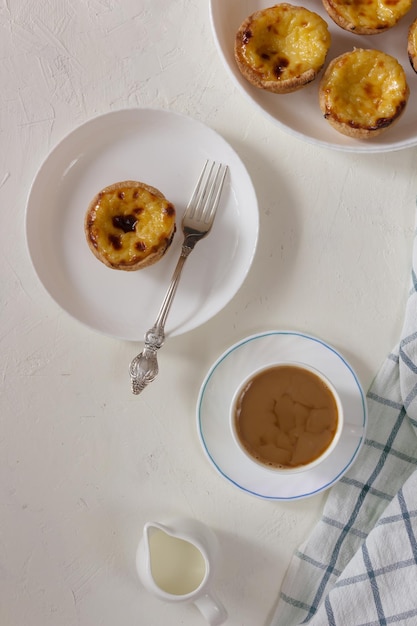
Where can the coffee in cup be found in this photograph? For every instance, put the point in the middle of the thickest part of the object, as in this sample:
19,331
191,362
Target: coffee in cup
286,417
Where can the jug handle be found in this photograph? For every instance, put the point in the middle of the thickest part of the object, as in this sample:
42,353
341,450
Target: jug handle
212,609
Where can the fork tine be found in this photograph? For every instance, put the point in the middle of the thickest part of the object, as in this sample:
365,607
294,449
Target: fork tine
206,190
205,198
194,200
212,201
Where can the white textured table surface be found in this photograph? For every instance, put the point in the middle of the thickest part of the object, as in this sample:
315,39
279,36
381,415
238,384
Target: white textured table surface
83,463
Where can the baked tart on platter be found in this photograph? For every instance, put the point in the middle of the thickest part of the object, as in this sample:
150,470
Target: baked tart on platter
283,48
367,17
412,45
363,93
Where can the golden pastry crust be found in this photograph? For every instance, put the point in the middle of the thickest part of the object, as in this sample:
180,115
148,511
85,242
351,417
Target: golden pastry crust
282,48
412,45
366,17
129,225
363,93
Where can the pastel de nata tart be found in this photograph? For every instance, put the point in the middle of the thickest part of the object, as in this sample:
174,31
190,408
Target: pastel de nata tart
412,45
362,93
282,48
366,17
129,225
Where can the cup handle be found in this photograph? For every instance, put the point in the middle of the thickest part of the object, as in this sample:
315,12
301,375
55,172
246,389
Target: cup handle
212,609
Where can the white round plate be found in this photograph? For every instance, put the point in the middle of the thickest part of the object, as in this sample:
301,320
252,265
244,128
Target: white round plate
165,150
299,112
226,375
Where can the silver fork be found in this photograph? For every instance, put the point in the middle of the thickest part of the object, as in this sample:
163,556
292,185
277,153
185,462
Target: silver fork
196,224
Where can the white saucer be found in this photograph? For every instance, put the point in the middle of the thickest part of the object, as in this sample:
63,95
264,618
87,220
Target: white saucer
165,150
216,394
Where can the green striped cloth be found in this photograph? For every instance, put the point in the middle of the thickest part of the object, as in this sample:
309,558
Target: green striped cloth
359,565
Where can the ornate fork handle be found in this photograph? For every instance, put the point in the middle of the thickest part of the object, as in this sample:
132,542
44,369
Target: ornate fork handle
144,367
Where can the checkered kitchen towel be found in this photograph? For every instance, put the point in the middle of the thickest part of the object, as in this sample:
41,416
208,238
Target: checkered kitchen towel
359,566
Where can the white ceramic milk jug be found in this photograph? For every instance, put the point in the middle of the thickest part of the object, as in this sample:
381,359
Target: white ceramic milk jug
176,562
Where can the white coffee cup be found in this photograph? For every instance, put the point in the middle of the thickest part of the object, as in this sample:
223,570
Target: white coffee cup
253,454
